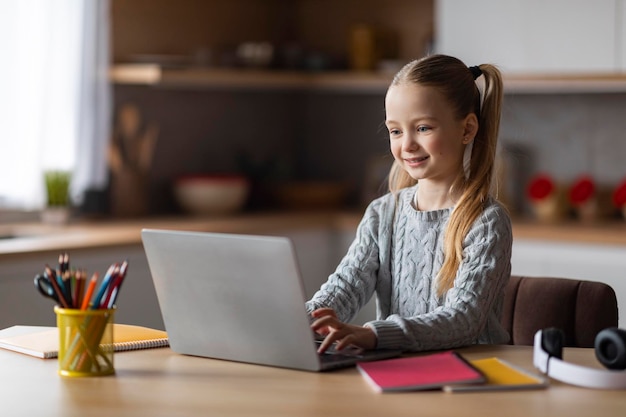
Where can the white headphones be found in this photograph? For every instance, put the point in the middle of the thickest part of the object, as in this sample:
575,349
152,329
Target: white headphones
610,349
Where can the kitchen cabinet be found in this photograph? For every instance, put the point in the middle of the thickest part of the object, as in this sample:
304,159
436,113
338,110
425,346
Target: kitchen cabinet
195,43
534,36
21,303
209,33
543,46
553,46
592,262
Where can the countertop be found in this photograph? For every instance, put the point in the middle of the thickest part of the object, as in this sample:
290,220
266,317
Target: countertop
27,238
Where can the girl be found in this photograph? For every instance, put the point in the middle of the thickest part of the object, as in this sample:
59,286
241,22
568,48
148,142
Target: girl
436,250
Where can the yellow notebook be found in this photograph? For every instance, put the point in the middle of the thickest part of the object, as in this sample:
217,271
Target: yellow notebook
43,341
501,375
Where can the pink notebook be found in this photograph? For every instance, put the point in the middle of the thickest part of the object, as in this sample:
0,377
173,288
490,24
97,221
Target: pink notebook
431,371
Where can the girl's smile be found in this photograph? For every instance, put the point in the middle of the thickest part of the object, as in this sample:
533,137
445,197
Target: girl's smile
415,162
425,136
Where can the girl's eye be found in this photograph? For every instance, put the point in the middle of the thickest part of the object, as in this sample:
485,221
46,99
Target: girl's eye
394,132
423,128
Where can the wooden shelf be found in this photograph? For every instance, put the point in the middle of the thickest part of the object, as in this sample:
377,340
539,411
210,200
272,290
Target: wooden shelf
565,84
147,74
364,82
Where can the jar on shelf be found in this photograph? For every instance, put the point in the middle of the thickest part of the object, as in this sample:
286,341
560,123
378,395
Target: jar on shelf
547,198
619,197
583,197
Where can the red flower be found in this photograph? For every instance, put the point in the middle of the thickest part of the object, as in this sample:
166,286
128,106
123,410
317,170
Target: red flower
540,187
619,195
582,190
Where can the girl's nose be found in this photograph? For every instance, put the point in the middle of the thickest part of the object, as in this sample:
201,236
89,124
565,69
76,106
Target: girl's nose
409,143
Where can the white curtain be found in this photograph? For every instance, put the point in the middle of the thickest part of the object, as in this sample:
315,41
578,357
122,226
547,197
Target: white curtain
54,96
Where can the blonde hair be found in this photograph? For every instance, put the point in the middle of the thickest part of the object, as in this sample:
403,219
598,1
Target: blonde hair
456,82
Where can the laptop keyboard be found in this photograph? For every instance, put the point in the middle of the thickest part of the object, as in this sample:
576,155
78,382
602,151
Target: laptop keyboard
332,358
332,355
337,357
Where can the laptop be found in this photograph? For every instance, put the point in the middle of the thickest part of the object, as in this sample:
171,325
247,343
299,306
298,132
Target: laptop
239,298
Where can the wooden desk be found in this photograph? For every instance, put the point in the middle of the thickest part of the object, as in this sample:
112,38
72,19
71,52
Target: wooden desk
159,382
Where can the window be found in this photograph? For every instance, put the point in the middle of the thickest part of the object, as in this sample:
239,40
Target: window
54,96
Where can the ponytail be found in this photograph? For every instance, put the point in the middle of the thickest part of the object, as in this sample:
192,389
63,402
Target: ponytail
478,185
457,82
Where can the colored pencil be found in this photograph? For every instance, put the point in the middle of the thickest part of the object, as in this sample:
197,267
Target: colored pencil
90,289
50,274
106,281
79,288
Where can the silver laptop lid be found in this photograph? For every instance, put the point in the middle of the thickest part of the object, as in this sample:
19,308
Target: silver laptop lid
233,297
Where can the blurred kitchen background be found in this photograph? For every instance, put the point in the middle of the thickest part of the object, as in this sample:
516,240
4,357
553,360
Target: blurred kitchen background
290,92
126,97
326,130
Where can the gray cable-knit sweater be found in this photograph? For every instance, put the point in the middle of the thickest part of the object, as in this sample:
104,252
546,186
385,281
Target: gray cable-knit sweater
397,253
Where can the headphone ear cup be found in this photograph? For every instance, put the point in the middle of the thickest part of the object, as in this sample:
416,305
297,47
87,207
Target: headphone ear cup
552,342
610,346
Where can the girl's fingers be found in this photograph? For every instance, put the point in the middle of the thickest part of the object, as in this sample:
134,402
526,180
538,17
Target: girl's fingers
346,335
331,338
329,327
324,319
328,342
326,322
321,312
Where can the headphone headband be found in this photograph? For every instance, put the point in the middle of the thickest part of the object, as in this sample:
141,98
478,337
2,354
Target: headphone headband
550,364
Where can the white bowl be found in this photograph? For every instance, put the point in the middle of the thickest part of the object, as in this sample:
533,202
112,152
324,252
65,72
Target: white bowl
204,195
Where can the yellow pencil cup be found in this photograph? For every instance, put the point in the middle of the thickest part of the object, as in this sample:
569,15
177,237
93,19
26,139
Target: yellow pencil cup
85,342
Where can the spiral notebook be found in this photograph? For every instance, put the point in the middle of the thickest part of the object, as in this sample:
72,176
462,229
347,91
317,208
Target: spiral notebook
43,341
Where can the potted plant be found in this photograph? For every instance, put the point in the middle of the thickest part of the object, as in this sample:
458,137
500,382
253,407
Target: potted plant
58,200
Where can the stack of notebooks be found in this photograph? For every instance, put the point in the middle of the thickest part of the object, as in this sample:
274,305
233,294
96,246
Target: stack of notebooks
43,341
447,371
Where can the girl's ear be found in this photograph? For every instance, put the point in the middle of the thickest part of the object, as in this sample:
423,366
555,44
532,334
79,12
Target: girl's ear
470,128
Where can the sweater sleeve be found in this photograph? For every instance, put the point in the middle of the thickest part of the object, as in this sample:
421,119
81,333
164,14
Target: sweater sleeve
470,311
353,283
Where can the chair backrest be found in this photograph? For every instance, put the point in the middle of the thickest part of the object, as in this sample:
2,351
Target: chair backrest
580,308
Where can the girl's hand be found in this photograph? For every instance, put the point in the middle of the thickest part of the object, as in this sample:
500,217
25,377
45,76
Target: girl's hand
327,324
